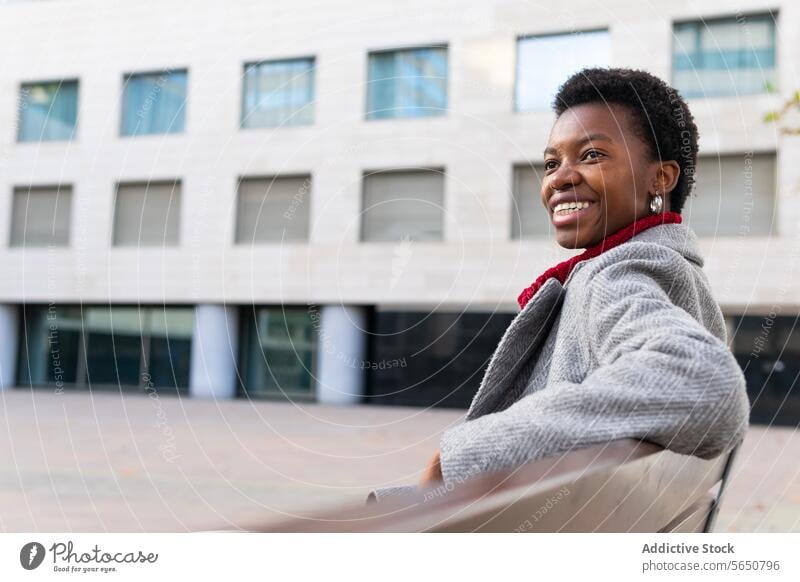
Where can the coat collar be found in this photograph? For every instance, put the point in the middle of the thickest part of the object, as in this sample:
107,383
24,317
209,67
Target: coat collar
519,344
678,237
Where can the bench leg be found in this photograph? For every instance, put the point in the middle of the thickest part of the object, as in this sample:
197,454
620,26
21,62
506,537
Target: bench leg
712,514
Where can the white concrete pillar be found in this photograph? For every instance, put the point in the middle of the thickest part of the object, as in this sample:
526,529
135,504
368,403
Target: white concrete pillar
9,340
215,349
341,368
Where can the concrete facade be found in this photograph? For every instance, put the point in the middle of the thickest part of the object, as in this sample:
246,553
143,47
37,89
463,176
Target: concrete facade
477,141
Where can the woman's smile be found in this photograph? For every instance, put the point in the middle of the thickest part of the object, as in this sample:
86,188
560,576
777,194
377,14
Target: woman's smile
568,213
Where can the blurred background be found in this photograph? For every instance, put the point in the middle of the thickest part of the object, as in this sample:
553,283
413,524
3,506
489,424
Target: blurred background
257,254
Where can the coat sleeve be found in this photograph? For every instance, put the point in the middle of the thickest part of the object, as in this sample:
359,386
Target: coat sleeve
659,375
380,493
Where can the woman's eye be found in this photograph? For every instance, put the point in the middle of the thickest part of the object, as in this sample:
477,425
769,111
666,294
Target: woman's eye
594,153
549,165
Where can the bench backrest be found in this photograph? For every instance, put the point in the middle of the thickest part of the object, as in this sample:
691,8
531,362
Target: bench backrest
621,486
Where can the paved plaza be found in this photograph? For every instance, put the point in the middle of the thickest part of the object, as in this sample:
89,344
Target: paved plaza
109,462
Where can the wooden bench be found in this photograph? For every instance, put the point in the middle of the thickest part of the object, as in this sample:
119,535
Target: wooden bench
621,486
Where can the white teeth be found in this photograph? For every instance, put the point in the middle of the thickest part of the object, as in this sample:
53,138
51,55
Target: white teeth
568,207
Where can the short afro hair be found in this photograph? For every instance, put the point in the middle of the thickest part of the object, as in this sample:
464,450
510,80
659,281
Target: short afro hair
662,117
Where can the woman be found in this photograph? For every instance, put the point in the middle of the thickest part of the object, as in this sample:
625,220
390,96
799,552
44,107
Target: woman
624,339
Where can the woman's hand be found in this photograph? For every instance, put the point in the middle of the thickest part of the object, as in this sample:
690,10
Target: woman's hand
433,471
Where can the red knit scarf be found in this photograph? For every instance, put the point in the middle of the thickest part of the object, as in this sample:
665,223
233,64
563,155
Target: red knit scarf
562,270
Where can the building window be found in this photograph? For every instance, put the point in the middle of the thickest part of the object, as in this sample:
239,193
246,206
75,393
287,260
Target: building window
273,209
403,205
40,216
769,354
47,111
733,195
431,358
407,83
726,56
147,214
529,217
154,103
278,93
114,347
545,62
279,352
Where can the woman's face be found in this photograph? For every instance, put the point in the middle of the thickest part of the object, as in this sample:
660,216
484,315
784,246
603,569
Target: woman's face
593,155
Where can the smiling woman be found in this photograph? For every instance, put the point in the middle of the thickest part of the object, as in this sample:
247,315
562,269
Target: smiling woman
624,340
624,145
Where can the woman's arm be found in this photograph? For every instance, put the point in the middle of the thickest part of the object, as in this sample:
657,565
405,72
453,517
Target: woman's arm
661,376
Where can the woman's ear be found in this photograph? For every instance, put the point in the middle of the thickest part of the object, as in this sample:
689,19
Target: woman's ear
667,174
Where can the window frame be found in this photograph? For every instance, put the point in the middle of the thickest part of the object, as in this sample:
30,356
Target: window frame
535,35
308,176
70,217
21,108
248,323
258,63
81,383
768,15
441,170
146,184
150,73
444,113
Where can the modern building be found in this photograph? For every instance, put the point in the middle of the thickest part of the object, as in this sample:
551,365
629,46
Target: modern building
339,201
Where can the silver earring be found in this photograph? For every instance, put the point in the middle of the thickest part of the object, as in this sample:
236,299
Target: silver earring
656,204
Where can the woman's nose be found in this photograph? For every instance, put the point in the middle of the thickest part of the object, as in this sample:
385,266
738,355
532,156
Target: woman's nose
566,175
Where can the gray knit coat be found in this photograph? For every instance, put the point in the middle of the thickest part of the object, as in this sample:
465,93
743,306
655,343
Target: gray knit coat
633,344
